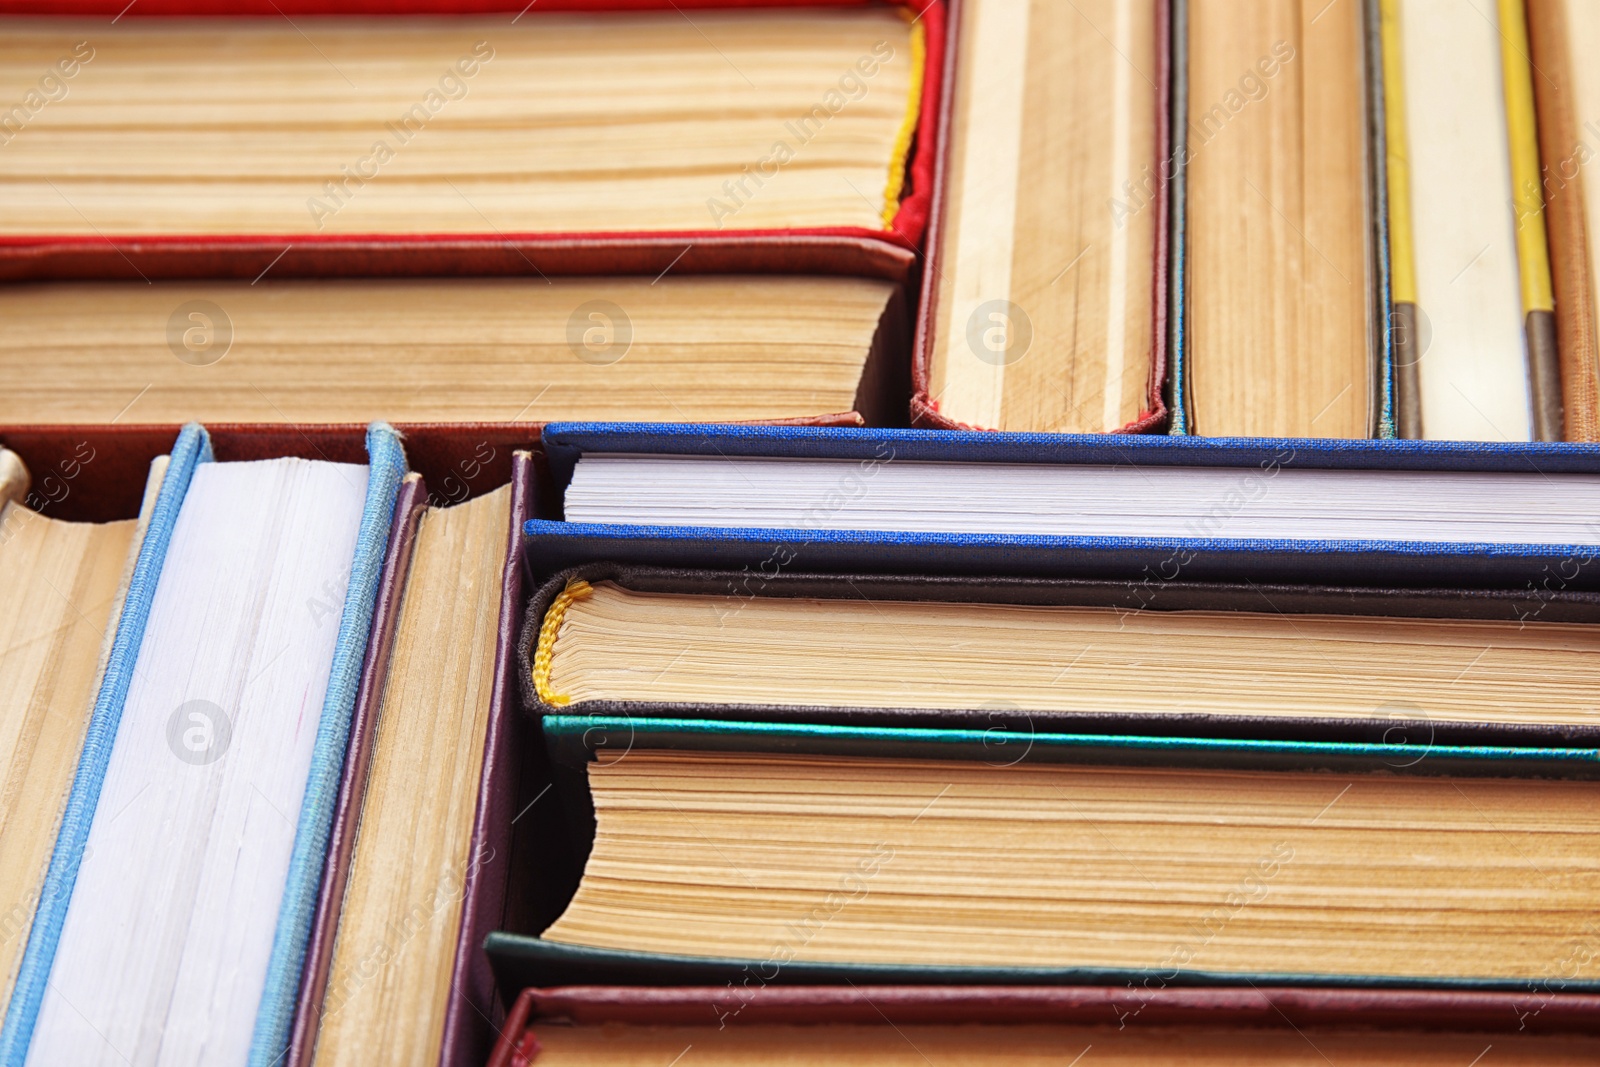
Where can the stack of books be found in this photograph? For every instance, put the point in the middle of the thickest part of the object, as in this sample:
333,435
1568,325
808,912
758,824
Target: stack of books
700,532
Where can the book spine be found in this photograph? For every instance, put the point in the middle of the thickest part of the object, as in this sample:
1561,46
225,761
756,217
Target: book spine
1157,413
1378,61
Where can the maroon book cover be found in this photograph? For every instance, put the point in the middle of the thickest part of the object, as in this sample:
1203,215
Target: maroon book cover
1540,1011
474,1007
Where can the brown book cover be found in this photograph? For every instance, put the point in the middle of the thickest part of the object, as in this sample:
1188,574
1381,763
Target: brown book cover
1561,156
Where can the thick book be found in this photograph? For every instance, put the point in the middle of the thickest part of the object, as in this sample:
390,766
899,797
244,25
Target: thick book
1407,669
241,635
1044,304
1145,509
866,855
755,1023
405,858
669,347
507,812
1274,285
390,140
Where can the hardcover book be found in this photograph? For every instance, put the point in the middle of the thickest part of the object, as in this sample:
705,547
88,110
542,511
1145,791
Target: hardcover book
409,852
1274,291
839,854
1145,509
62,584
1565,93
1403,668
241,635
1044,306
581,136
771,348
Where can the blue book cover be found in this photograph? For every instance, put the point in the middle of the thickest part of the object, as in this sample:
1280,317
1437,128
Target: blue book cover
553,545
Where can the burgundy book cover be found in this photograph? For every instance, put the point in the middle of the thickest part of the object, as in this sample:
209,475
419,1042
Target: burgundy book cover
889,253
1538,1011
924,408
473,1007
408,508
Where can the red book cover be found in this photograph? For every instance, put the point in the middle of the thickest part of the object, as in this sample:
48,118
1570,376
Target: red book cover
889,251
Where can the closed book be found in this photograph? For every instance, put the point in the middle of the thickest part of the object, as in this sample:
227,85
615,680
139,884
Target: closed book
301,523
836,854
485,352
1044,306
963,1024
1402,668
460,153
1144,509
